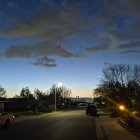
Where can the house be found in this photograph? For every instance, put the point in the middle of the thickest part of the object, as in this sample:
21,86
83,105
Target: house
2,104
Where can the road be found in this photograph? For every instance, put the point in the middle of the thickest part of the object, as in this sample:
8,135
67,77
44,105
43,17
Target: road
68,125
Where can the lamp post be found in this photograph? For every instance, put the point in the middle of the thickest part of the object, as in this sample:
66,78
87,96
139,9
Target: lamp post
55,99
59,85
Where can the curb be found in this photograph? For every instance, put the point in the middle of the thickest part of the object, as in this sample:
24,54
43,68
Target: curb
123,123
135,131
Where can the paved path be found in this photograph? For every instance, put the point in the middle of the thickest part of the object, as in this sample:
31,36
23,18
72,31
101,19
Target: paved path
109,128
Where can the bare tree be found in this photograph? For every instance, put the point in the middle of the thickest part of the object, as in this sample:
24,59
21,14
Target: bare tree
65,93
62,94
120,83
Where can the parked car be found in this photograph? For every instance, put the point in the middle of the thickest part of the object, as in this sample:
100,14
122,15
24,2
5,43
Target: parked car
91,110
6,119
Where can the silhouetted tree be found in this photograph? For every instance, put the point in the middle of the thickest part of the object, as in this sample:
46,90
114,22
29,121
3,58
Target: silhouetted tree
121,83
62,93
66,94
28,97
2,92
40,95
41,100
25,93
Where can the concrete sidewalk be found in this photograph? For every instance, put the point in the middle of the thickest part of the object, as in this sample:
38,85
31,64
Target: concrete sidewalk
109,129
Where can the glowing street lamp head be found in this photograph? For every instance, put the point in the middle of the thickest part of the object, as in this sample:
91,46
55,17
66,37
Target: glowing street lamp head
60,84
121,107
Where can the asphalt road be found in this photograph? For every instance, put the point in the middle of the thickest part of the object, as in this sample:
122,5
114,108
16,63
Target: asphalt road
68,125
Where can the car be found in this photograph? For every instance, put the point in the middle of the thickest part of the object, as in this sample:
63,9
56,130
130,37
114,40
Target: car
6,119
91,110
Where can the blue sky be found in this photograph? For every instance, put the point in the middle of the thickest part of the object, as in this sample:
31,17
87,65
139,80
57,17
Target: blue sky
44,42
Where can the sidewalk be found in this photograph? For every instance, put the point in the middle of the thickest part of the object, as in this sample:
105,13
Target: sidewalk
109,129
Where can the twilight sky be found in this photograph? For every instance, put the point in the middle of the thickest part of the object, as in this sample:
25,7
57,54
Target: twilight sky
44,42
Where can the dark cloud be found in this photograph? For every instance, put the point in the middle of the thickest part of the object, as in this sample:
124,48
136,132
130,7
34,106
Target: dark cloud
51,25
117,33
18,51
45,49
135,29
129,51
132,7
130,45
39,49
99,48
116,40
44,61
56,25
110,41
127,35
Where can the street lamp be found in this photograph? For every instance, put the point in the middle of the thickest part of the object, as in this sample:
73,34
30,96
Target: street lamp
58,85
121,107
